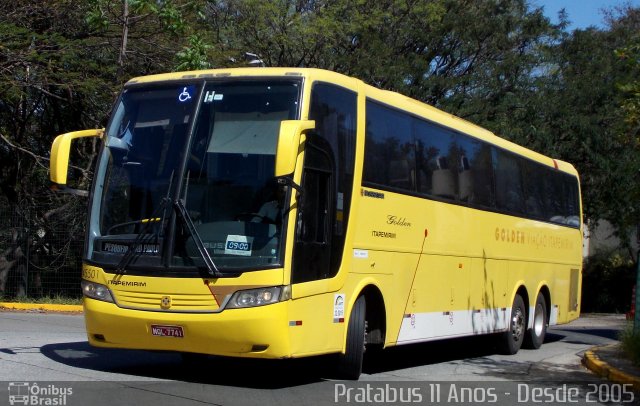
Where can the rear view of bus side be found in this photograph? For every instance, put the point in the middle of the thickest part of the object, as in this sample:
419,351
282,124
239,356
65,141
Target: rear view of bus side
467,232
284,212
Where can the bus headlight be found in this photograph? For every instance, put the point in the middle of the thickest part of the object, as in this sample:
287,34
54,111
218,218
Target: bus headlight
257,297
96,291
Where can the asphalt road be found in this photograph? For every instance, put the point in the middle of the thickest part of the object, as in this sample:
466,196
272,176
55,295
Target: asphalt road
49,353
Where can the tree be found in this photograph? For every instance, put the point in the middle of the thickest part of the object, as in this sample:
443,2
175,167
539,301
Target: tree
62,62
438,51
629,58
144,36
583,119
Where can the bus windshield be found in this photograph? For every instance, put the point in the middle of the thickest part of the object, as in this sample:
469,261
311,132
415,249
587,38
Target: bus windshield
221,166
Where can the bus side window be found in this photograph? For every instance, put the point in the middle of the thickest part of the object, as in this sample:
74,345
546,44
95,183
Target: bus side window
481,165
508,176
390,154
534,189
313,222
401,174
465,180
442,179
555,198
437,159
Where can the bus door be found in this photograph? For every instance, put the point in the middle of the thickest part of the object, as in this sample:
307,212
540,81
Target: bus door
312,253
321,224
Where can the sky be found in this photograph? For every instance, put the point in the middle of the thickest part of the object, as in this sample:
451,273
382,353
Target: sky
581,13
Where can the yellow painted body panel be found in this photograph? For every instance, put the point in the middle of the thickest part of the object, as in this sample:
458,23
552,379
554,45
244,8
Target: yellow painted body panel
232,332
470,260
318,333
259,332
423,256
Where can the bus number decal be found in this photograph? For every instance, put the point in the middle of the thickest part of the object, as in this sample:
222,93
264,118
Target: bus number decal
237,245
89,273
338,308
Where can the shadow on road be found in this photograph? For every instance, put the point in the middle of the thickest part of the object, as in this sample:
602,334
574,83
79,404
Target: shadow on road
414,355
249,373
609,333
274,374
259,374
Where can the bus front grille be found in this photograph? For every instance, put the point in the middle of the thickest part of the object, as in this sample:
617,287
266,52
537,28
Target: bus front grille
167,302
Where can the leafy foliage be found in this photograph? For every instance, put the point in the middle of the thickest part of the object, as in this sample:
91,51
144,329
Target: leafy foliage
62,63
607,283
585,121
501,64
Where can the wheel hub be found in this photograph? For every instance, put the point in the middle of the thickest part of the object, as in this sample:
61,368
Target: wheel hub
538,322
517,324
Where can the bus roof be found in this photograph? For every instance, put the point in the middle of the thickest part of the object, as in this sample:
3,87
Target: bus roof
393,99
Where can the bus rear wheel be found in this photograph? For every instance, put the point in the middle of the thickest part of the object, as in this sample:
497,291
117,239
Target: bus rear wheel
517,325
535,336
350,363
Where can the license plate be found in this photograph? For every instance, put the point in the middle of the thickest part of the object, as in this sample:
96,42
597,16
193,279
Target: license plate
167,331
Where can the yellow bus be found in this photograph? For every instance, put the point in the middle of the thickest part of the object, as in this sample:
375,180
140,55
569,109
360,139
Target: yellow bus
285,212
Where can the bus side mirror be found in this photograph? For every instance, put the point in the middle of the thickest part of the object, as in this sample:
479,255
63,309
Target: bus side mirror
288,147
59,164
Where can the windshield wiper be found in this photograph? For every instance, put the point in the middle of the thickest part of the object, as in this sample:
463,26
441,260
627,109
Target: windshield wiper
127,258
182,212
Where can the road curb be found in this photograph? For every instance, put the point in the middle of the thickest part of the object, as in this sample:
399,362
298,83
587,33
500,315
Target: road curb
593,362
42,306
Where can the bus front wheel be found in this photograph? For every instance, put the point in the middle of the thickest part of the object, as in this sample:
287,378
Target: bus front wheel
535,336
516,327
350,363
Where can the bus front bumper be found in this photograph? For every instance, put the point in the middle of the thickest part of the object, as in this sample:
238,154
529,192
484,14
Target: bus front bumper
257,332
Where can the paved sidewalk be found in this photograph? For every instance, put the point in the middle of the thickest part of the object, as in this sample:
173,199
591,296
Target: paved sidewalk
609,362
43,307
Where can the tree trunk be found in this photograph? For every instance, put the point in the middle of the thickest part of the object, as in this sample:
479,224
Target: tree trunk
125,34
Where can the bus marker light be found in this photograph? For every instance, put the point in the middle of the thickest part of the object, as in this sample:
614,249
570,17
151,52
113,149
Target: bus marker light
294,323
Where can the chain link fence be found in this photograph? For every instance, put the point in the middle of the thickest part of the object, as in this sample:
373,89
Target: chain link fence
40,257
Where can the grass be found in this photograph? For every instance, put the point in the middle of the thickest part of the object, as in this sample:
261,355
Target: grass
59,300
631,344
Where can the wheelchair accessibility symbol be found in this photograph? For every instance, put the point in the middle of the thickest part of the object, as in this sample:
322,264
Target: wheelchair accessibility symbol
185,95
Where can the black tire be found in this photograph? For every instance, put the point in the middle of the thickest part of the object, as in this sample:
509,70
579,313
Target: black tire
535,335
517,325
350,363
